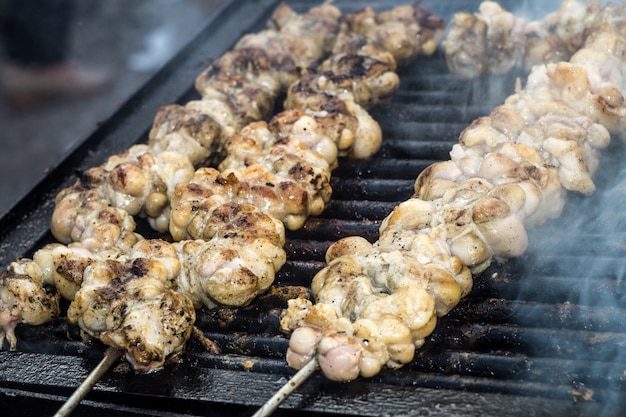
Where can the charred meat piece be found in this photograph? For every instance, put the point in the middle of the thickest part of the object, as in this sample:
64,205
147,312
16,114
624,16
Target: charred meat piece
375,303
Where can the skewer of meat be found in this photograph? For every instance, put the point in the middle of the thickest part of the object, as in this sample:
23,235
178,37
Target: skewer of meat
118,260
376,303
494,40
97,212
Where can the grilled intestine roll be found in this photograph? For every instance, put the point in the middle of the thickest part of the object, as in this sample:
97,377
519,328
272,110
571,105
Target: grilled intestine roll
304,37
238,88
227,271
494,40
130,303
376,302
136,182
280,176
187,130
406,32
354,132
26,296
361,72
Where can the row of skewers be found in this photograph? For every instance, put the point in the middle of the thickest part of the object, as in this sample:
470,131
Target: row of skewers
227,223
376,302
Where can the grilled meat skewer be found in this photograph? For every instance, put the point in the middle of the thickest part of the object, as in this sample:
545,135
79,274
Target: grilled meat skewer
376,303
106,272
97,213
494,40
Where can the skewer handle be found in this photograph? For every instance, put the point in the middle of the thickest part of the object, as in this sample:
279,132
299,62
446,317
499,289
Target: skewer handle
272,404
110,356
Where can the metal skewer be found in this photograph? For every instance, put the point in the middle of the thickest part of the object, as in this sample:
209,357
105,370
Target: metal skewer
281,395
110,356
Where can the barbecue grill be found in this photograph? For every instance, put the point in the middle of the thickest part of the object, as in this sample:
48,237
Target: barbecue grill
540,335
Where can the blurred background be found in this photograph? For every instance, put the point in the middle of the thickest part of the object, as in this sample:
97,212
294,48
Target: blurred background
131,40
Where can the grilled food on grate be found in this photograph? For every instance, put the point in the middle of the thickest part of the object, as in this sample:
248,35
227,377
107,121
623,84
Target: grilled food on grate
376,303
239,246
96,213
494,40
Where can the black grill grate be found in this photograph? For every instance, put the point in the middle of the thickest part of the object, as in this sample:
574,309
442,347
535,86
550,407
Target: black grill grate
541,335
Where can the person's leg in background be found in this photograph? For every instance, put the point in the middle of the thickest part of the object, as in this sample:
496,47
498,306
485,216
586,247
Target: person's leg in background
37,46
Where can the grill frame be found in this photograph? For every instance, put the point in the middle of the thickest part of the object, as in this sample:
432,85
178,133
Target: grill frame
440,381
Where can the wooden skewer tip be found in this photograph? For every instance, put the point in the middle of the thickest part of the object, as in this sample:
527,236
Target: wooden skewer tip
110,356
290,386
